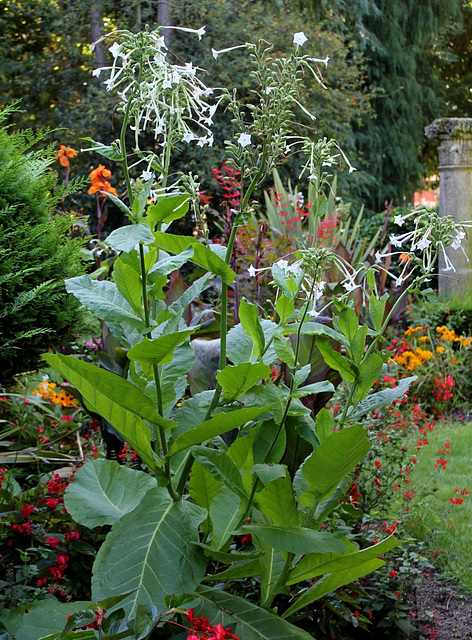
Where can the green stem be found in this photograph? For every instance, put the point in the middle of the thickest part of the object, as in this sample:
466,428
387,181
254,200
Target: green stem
371,347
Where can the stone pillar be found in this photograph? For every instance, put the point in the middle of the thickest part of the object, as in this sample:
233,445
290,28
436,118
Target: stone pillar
455,194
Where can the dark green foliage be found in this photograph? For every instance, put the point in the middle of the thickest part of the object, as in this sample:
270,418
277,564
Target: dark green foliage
36,255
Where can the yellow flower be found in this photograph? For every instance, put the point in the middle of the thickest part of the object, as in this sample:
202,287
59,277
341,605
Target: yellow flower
423,339
412,330
440,349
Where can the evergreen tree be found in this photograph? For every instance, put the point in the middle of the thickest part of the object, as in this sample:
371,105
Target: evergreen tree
36,255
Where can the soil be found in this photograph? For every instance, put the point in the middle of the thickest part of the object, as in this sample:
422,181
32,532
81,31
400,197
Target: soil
441,611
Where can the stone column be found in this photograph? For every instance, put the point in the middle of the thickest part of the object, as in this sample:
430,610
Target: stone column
455,194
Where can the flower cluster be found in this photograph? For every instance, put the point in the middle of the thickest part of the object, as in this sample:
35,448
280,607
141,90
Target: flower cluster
64,154
203,630
46,390
169,98
431,236
458,499
100,183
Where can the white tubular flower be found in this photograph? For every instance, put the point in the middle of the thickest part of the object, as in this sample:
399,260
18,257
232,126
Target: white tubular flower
396,241
199,32
399,220
244,139
299,39
216,53
146,175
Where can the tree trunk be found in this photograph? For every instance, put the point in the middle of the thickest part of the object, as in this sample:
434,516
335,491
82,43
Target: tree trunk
164,18
96,32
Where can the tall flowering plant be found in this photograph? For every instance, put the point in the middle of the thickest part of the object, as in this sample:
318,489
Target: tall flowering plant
225,517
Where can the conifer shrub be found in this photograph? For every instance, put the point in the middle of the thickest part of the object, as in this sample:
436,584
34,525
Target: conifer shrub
37,252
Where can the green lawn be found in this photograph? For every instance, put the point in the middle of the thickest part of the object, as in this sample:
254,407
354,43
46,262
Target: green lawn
446,527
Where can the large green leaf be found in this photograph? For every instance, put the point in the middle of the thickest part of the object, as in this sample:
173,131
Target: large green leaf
331,461
128,282
277,502
103,491
369,373
168,209
159,350
226,511
118,401
151,550
216,426
313,565
331,582
169,264
203,486
240,346
103,299
334,359
126,238
249,318
236,380
202,256
252,622
38,619
222,467
376,400
298,540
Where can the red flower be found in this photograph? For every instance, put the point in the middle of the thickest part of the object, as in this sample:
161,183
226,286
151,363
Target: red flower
26,509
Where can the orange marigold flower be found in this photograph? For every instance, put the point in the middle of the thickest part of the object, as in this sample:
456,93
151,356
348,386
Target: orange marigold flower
64,154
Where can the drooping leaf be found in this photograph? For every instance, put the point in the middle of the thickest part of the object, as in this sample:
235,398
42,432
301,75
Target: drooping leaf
159,350
285,308
252,622
129,283
203,486
110,152
313,565
170,263
334,359
269,472
240,346
103,299
216,426
277,501
369,373
236,380
283,349
168,209
222,468
126,238
151,550
202,375
376,400
103,491
331,461
298,540
324,425
118,401
331,582
317,387
249,318
226,511
202,256
348,322
313,329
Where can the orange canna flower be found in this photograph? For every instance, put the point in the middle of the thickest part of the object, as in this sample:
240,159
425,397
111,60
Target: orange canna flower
64,154
99,183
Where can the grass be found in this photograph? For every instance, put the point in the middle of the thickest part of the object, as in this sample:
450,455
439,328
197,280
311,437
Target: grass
446,527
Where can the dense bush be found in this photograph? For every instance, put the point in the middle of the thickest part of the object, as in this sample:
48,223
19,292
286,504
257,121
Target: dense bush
36,254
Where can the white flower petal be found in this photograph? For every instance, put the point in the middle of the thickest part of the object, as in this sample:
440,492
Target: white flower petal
244,139
299,38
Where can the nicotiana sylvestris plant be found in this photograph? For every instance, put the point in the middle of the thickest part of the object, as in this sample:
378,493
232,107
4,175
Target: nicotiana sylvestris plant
248,450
